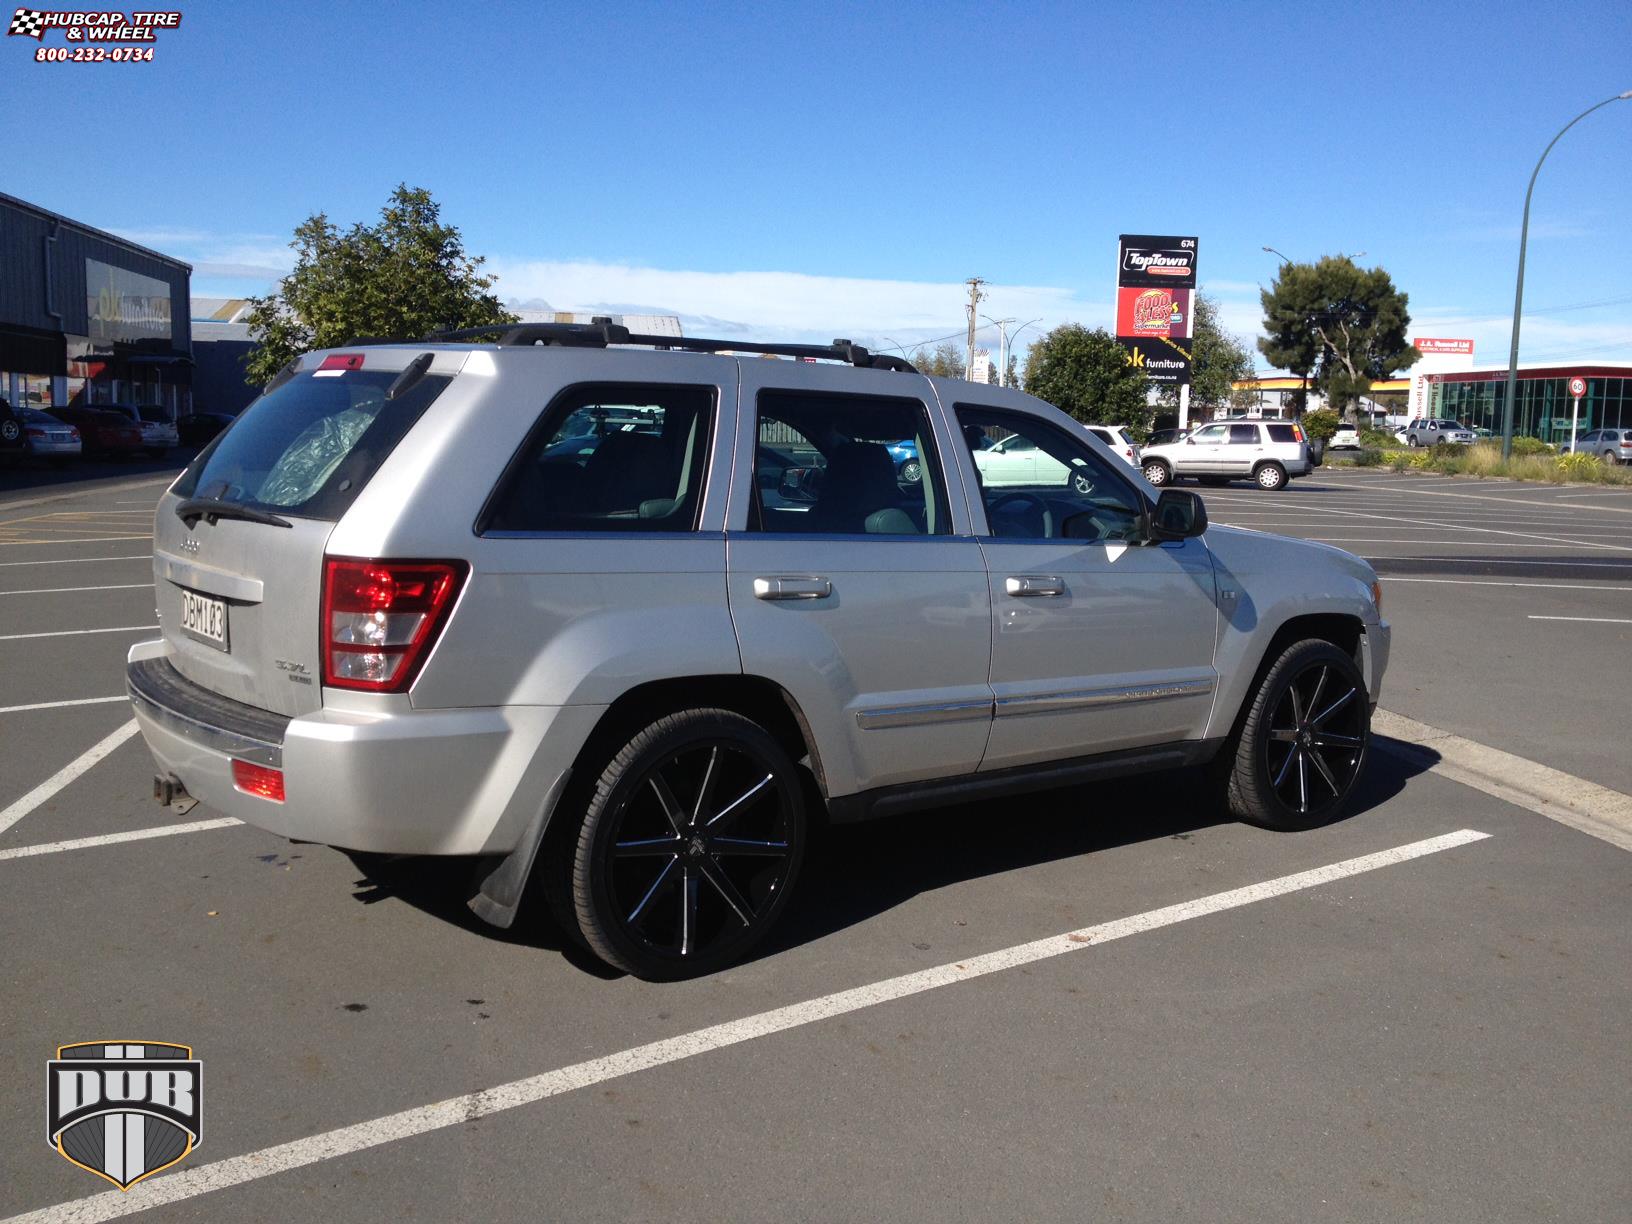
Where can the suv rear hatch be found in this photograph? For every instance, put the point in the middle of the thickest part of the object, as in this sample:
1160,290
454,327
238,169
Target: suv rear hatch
239,539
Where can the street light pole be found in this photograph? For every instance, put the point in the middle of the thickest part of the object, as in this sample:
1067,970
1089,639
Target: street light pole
1285,261
1002,326
1518,292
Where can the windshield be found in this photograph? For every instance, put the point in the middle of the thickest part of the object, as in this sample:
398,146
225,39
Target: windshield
310,446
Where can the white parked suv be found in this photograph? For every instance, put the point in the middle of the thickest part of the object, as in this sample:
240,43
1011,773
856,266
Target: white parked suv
1269,453
627,675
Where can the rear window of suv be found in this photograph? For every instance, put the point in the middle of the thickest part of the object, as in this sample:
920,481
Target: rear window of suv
1282,433
309,446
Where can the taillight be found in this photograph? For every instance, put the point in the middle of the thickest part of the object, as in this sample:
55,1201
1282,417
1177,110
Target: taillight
1297,433
34,431
73,433
258,780
338,363
380,618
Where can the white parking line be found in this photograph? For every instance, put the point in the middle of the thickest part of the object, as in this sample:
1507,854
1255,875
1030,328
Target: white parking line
1547,586
109,839
1586,620
74,540
18,637
57,705
124,586
456,1111
65,775
80,560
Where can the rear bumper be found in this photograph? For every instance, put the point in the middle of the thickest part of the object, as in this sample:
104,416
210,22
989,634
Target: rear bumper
403,781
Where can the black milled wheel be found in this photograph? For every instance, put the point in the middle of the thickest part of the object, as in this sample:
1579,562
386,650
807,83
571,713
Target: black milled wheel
1303,740
689,846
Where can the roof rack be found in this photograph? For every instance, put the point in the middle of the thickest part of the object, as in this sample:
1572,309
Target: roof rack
602,332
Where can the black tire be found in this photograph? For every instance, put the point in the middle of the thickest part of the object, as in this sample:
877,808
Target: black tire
658,800
1312,703
1270,477
1158,473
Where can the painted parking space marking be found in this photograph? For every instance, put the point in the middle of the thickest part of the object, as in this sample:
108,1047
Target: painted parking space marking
75,540
1585,620
123,586
58,705
111,839
80,560
1545,586
18,637
455,1111
45,790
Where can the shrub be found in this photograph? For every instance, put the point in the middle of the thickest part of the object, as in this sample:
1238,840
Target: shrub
1321,424
1378,439
1369,457
1524,444
1419,459
1579,466
1444,450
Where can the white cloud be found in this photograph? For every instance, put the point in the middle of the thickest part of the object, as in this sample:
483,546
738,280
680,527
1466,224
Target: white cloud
792,305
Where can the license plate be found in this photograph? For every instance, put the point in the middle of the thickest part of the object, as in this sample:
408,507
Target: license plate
204,618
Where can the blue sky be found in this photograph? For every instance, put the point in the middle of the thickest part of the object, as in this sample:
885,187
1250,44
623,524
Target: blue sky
794,170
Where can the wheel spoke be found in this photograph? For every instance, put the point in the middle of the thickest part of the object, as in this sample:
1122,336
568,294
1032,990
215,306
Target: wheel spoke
716,876
1330,739
1337,705
668,870
1320,687
1286,768
1283,737
1297,703
733,809
1325,772
706,790
688,911
646,846
672,811
728,846
1303,782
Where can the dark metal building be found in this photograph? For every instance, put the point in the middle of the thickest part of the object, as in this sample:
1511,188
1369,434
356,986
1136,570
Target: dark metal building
88,317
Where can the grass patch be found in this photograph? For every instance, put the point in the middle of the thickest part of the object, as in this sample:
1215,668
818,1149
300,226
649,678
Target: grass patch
1485,459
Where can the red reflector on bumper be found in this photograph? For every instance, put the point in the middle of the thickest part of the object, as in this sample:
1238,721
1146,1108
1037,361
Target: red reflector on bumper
258,780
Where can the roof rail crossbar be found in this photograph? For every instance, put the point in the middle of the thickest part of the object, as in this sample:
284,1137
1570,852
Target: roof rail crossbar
603,332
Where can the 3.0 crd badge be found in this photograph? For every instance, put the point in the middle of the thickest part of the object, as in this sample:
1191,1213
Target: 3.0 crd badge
124,1110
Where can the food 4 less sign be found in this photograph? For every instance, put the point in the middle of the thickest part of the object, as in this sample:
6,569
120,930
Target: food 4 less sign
1155,303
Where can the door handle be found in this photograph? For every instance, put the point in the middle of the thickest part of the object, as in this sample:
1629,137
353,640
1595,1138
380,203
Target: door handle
797,586
1033,584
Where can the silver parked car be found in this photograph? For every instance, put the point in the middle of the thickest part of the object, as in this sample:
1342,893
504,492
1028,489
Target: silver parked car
1429,431
50,438
396,617
1610,445
1269,453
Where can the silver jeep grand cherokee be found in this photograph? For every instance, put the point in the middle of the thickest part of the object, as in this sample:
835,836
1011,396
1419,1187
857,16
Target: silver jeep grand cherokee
621,622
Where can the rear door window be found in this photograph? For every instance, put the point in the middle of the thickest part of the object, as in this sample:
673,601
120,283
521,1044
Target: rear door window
1244,435
1285,433
609,457
309,446
846,465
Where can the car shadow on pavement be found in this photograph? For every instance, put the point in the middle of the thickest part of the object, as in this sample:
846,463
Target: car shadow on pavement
855,872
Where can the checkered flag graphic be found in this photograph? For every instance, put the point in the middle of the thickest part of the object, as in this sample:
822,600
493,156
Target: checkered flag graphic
29,23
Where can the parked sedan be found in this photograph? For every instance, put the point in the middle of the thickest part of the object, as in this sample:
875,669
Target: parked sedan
158,429
1610,445
1018,462
49,438
102,432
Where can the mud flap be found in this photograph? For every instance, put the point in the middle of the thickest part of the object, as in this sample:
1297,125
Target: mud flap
500,880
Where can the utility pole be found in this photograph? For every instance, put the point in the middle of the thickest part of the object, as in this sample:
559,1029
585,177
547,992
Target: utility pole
975,299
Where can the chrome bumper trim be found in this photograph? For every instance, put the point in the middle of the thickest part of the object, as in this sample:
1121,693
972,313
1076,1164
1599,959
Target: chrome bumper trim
1087,699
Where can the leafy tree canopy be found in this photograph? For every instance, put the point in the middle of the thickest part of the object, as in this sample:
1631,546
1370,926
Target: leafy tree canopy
403,277
945,360
1086,373
1343,324
1218,360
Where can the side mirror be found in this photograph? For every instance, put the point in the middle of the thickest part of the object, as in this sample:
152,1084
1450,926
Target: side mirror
798,483
1179,515
1189,441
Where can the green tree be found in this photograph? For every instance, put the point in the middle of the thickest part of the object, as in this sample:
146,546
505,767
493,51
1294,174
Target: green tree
1217,361
945,360
404,277
1341,323
1011,377
1086,373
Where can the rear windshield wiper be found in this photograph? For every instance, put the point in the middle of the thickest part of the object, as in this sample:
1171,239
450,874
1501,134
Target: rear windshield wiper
212,508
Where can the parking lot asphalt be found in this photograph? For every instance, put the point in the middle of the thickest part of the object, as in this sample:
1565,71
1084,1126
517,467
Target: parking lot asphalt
1096,1003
